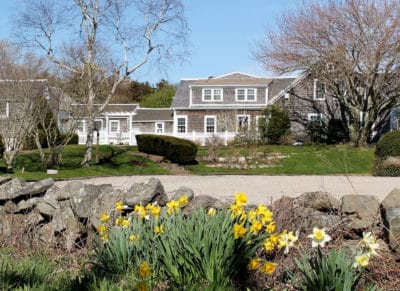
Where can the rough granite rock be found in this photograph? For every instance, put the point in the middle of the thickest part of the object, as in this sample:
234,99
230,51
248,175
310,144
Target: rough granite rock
361,211
105,202
82,200
321,201
392,218
25,205
204,201
149,191
32,189
183,191
392,200
10,187
46,208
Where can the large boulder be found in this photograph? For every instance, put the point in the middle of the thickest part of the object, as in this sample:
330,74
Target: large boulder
182,191
321,201
392,200
149,191
360,211
392,217
204,201
8,188
32,189
26,205
83,197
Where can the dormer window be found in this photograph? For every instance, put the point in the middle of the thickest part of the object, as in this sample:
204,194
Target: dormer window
319,90
246,94
212,94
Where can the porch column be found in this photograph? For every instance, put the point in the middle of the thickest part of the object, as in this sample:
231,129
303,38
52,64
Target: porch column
130,129
106,131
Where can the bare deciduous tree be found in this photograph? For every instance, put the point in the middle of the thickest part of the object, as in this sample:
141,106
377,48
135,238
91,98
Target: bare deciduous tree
109,40
20,93
353,47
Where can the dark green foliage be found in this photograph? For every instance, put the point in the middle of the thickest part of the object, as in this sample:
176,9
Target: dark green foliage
389,145
332,271
161,98
278,124
337,132
30,144
74,139
176,150
317,131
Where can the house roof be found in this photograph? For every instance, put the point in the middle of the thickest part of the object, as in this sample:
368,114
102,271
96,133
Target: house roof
279,84
153,114
181,98
113,108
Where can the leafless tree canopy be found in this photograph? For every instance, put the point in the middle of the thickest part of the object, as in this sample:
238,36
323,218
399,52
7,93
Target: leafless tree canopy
352,46
103,42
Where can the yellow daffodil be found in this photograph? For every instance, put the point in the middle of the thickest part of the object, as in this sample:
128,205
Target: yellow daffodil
254,264
141,211
319,237
119,206
159,229
287,240
155,211
211,212
268,245
271,227
123,222
361,261
133,238
256,227
274,238
173,207
267,216
261,208
183,201
144,269
237,210
142,286
102,229
239,230
104,217
240,199
268,268
104,237
252,215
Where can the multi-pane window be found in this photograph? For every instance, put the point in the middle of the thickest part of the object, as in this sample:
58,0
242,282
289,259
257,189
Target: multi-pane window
181,124
243,122
315,116
319,90
114,126
212,94
210,124
243,94
81,126
160,127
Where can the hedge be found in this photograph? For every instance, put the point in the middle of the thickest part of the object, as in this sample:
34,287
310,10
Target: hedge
176,150
387,155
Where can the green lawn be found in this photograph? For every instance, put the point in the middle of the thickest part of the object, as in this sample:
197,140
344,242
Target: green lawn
109,161
116,160
301,160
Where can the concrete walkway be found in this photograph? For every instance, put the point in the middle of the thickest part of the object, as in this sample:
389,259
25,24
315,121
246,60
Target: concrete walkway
263,189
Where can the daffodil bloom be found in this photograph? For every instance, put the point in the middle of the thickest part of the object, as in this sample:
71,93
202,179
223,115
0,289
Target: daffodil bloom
123,222
183,201
104,237
104,217
173,207
256,227
102,229
261,208
271,227
141,211
149,206
155,212
252,215
239,230
159,229
237,210
267,216
369,243
254,264
361,261
133,238
240,199
119,206
211,212
274,238
268,245
287,240
144,269
268,268
319,237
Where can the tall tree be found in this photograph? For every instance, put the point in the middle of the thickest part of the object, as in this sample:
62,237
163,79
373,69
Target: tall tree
111,39
20,94
351,46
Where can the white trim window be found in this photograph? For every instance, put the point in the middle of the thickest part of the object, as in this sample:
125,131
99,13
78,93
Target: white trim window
159,127
114,126
5,111
181,124
315,117
209,94
319,91
242,123
81,126
210,124
246,94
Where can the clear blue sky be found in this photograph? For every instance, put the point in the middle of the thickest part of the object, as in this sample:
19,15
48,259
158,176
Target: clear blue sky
222,35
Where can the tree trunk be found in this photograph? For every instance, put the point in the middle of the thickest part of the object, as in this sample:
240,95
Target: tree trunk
87,159
9,159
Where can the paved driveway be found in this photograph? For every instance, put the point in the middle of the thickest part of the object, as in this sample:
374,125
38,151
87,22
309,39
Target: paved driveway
263,189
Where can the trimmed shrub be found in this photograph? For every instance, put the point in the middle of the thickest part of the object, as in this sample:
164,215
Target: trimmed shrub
337,132
389,145
317,131
74,139
278,124
176,150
